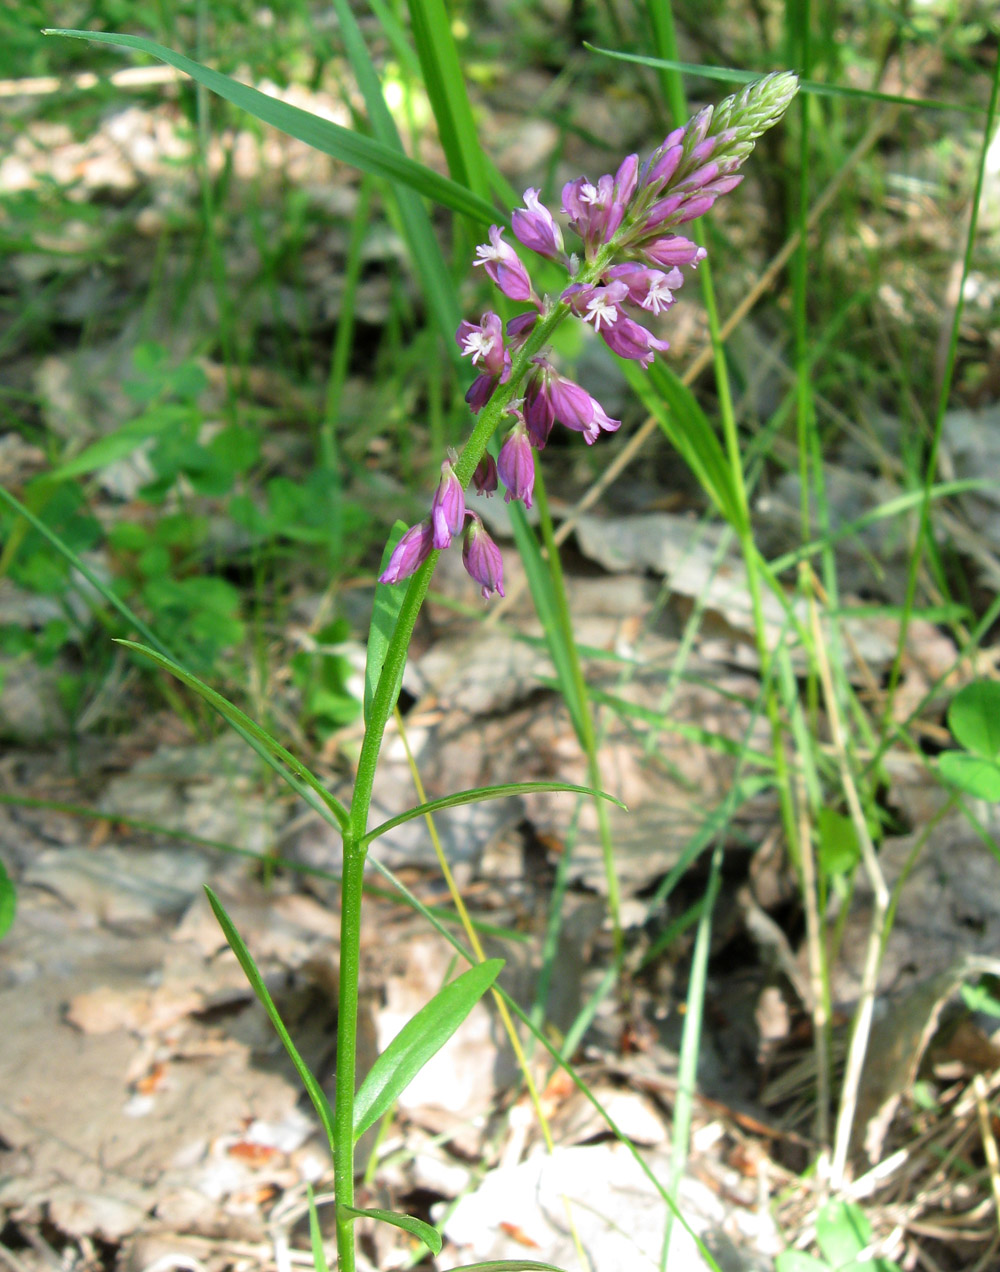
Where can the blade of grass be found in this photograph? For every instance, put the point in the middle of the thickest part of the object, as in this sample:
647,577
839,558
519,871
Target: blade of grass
360,152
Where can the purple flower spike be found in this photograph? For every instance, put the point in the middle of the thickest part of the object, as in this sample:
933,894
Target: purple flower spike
485,477
516,465
504,266
535,228
410,553
448,508
481,557
484,345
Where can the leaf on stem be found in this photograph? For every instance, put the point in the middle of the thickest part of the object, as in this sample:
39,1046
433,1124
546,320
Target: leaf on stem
419,1039
235,716
416,1227
315,1092
482,793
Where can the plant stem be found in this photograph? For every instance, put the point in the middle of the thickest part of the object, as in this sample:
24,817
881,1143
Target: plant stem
347,1042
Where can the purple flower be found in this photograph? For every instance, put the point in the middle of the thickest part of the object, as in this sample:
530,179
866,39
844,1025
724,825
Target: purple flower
631,340
480,391
484,345
597,305
516,465
481,557
504,266
448,507
485,477
410,553
672,251
648,288
550,397
535,228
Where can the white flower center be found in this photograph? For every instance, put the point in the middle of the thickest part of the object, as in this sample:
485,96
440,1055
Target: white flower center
658,297
601,310
478,345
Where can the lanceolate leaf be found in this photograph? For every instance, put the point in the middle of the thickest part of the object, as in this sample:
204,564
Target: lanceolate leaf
508,1265
418,1040
235,716
480,793
416,1227
320,1103
322,134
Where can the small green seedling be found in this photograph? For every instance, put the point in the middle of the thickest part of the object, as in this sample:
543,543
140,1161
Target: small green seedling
842,1234
974,720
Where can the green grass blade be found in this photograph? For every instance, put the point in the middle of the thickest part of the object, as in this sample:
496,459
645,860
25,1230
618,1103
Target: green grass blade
483,793
8,901
421,1037
234,715
508,1265
425,251
320,1103
730,76
350,147
320,805
445,85
315,1235
415,1227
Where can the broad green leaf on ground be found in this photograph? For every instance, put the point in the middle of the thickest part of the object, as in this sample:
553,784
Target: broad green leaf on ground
419,1039
359,151
974,718
8,901
315,1092
385,611
235,716
416,1227
842,1232
972,774
482,793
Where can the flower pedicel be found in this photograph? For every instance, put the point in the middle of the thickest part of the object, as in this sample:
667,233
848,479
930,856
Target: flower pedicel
629,269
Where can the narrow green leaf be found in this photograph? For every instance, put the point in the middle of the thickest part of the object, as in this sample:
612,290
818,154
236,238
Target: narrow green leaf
360,152
972,774
796,1261
320,1103
235,716
425,251
730,76
689,431
8,901
119,444
415,1227
508,1265
316,1235
974,718
484,792
445,84
385,611
418,1040
320,804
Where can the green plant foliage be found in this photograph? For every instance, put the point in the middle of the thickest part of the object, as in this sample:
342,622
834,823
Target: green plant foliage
839,850
8,901
419,1039
320,1103
842,1234
416,1227
974,720
321,676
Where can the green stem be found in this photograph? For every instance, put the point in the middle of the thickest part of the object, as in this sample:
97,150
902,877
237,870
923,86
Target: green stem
347,1045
